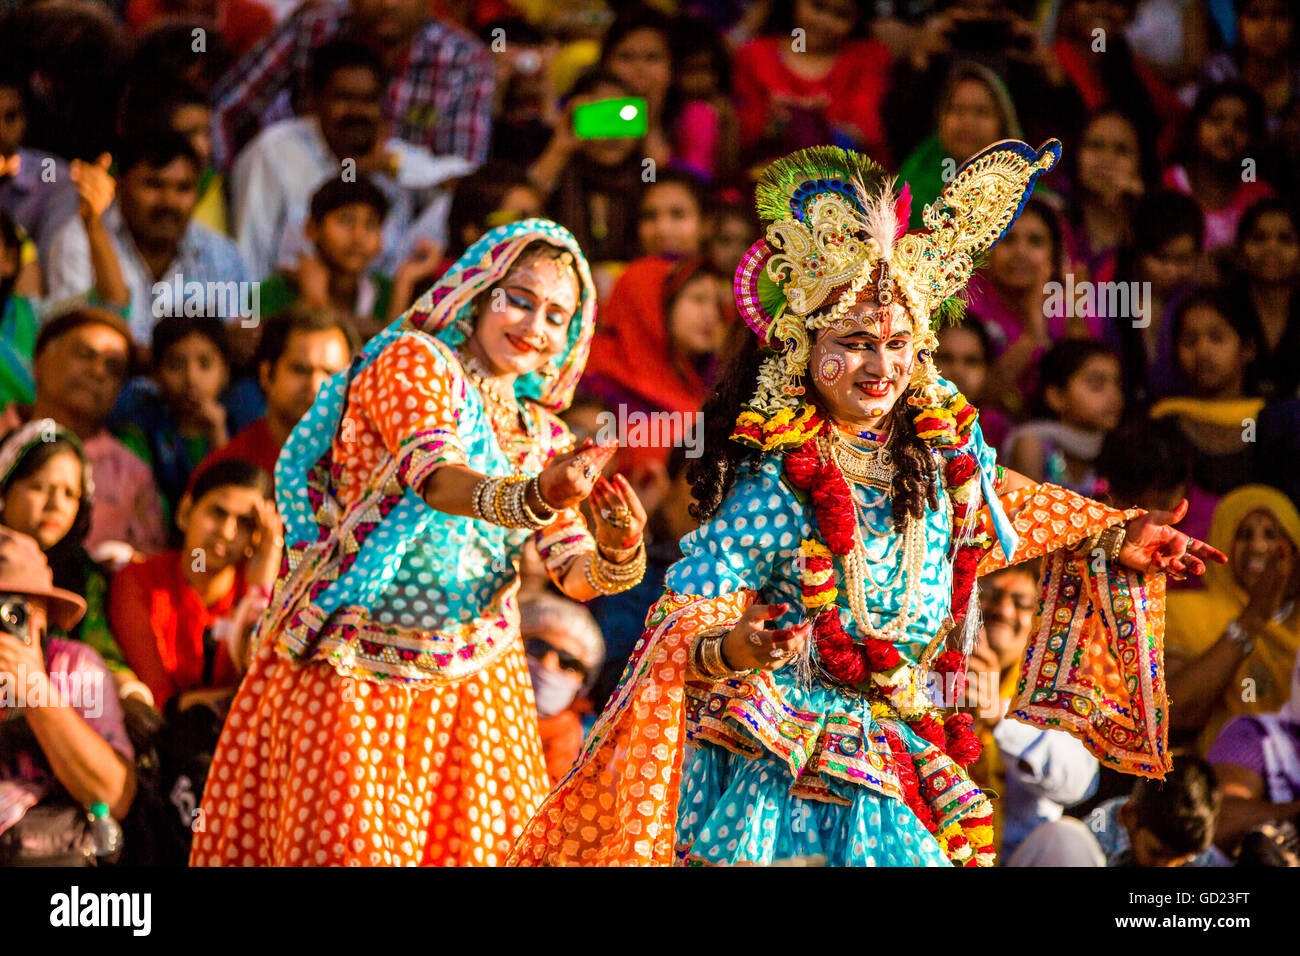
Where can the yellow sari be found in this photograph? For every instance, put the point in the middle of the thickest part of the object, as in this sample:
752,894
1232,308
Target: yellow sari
1196,619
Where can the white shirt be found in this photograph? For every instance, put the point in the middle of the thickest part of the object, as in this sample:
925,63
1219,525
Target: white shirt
276,174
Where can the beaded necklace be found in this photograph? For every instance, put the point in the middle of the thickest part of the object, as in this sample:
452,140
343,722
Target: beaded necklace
507,417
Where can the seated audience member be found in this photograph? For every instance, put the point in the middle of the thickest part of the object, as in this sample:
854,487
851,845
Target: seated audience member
340,136
438,95
38,202
1080,400
1257,760
730,229
1162,823
174,418
17,321
671,217
829,90
149,107
1121,76
637,50
299,349
241,22
1225,127
344,229
1239,635
565,650
1038,773
1213,404
1264,55
496,193
523,98
183,617
1163,258
706,130
63,741
155,241
1268,287
965,354
586,183
82,360
1111,171
47,492
1016,303
973,111
657,350
1162,482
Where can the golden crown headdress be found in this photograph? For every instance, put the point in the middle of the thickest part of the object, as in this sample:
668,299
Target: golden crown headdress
838,230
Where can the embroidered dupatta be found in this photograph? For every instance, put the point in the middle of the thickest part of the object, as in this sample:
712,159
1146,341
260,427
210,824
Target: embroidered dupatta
1093,668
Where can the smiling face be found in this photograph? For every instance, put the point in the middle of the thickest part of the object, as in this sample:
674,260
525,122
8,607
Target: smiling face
523,321
1259,547
860,366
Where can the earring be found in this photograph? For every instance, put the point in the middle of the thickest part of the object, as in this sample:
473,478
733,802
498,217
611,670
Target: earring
549,372
464,326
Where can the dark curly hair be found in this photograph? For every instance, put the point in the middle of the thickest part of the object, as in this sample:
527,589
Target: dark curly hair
916,475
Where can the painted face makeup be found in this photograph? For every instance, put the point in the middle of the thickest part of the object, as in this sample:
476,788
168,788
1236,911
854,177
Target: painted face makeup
873,348
524,321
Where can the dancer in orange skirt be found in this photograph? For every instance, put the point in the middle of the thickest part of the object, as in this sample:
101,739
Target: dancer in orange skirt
387,717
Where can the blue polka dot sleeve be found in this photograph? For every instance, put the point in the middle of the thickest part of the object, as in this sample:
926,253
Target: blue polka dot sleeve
756,532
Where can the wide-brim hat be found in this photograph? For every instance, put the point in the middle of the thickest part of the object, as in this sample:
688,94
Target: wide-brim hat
24,570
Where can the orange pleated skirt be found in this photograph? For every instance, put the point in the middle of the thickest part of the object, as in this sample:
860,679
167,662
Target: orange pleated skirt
314,769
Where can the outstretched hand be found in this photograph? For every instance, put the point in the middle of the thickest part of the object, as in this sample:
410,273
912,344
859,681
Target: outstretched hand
1152,544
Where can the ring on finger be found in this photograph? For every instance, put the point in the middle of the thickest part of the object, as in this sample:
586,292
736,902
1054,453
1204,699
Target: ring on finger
755,638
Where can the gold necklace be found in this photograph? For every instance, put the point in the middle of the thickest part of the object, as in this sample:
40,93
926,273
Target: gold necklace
489,386
874,468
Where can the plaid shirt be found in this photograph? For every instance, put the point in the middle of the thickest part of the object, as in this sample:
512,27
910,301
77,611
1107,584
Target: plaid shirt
440,96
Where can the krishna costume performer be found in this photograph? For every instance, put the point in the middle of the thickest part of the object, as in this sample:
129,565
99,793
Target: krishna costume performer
388,716
841,751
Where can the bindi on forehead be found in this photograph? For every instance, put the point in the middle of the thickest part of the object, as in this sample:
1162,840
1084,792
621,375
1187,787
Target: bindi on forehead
549,279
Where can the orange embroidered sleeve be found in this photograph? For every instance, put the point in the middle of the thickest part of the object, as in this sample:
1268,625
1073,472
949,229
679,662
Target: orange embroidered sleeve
410,394
1047,518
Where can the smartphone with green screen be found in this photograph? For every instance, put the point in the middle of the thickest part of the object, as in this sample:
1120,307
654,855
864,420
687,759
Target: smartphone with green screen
610,119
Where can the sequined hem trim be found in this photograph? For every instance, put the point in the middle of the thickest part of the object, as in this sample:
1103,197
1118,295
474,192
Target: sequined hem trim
748,716
354,645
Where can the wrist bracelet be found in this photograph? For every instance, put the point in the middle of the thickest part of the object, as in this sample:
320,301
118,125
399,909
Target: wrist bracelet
503,501
707,655
1111,541
1238,635
618,555
606,577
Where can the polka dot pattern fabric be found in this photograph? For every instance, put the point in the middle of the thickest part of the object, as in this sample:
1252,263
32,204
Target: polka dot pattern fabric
314,769
735,809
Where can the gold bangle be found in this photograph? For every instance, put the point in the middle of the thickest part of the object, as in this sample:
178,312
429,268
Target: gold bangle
1111,541
708,656
606,577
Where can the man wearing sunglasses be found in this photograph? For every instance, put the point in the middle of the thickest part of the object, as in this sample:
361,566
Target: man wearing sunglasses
1038,772
565,650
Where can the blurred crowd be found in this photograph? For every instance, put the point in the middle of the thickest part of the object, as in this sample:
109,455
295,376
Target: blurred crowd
207,206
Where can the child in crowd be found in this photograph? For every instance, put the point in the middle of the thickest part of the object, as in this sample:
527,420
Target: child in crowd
1268,286
174,417
183,617
1214,408
706,133
1223,130
565,651
1163,480
671,216
965,354
1015,301
17,321
1111,171
345,228
1080,400
46,492
1160,262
